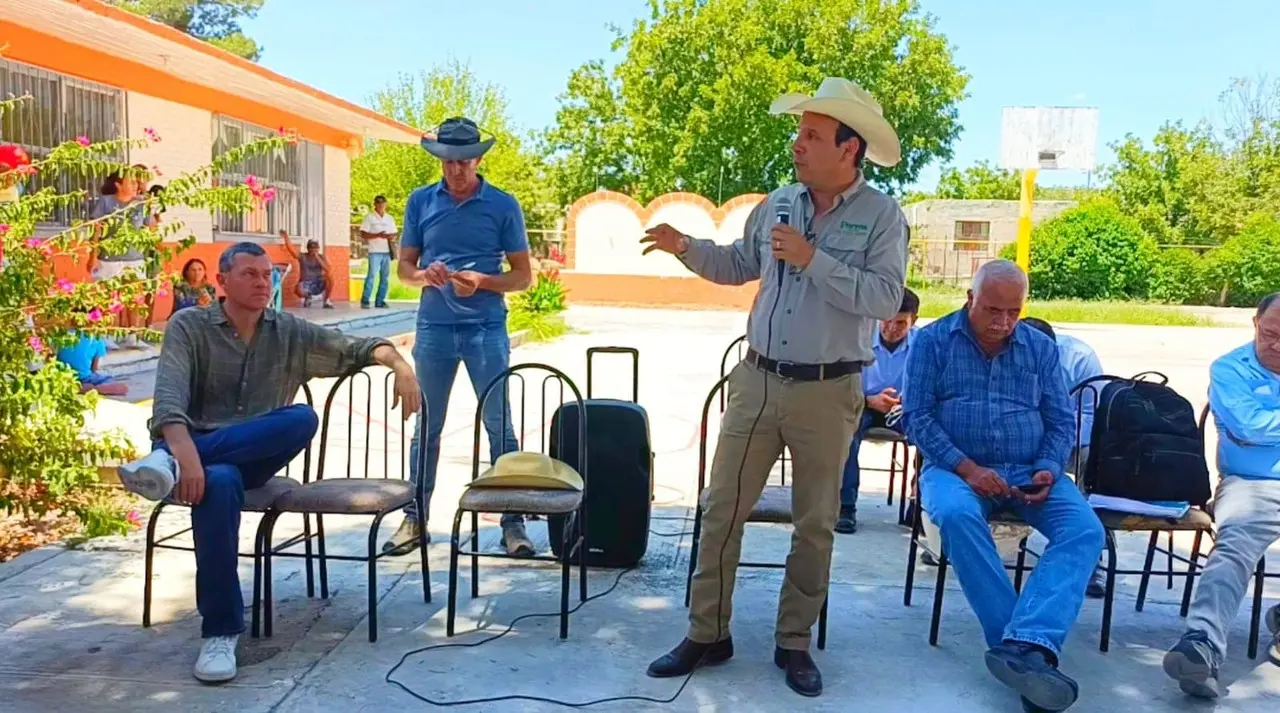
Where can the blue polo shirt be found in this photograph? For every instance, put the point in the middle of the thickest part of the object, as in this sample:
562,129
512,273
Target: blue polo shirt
1245,399
80,356
480,229
889,367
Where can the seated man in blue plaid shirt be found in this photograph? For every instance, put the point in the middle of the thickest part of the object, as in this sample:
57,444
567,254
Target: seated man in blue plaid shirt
986,404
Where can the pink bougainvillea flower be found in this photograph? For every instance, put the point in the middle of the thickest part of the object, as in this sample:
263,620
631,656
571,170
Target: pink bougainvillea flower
33,243
4,228
162,292
269,195
94,315
65,286
134,518
35,343
116,305
140,299
83,141
251,180
151,134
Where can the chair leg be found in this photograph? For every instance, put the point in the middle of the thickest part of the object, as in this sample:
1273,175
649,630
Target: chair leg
902,488
822,625
936,621
453,574
149,564
267,539
422,550
324,565
1169,554
255,627
311,574
1259,582
893,469
564,590
582,556
912,549
372,562
1191,574
693,553
1146,569
1020,566
1109,597
475,561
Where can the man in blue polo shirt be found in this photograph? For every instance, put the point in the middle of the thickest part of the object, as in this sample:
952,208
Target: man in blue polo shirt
453,241
882,388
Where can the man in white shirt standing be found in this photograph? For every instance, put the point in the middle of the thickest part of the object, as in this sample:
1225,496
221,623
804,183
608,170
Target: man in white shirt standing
377,230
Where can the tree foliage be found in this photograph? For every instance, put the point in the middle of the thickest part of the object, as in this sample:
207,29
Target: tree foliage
981,181
1092,251
214,21
395,170
687,107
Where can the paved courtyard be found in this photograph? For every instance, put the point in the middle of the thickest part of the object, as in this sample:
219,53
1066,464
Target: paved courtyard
70,620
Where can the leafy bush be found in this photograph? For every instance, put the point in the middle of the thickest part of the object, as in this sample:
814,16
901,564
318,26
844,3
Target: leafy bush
538,309
48,461
1092,251
1177,277
1247,267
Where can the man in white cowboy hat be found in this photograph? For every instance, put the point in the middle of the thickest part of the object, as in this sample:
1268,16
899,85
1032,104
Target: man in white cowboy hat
455,236
826,276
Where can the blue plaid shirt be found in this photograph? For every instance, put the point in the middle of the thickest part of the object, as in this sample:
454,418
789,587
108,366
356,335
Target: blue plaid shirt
1009,413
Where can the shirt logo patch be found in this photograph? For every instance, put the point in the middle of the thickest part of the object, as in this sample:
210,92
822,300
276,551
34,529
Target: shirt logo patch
854,228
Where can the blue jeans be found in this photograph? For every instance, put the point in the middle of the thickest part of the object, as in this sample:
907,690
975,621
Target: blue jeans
485,349
235,459
852,476
1052,596
379,267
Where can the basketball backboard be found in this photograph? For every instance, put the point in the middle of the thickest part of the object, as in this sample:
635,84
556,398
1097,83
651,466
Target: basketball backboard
1048,138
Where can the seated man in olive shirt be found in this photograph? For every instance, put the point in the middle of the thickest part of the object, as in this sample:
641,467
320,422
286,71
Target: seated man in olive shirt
223,424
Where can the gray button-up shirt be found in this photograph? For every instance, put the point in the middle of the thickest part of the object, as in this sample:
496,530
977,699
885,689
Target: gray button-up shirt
828,311
208,378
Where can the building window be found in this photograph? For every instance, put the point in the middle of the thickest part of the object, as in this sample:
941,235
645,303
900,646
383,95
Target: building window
59,109
295,171
972,236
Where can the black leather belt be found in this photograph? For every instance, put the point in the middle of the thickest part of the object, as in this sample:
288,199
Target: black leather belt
803,372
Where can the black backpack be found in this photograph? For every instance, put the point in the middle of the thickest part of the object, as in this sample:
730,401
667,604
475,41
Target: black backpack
1146,444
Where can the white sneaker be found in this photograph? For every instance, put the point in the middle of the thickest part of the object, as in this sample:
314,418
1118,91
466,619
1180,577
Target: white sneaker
217,662
151,476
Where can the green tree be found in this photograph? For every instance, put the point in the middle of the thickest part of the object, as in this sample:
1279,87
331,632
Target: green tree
687,107
1247,266
1092,251
980,181
395,170
214,21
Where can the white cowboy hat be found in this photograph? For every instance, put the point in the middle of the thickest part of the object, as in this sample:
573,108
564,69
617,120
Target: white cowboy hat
849,103
528,469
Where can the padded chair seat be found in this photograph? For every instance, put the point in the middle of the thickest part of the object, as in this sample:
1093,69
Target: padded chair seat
883,435
347,496
542,501
1195,519
774,505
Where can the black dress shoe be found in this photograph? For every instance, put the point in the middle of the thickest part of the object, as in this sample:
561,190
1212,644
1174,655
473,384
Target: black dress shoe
1033,672
690,655
803,675
847,523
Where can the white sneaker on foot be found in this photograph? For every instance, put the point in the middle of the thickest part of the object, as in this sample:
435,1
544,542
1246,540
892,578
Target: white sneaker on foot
151,476
217,662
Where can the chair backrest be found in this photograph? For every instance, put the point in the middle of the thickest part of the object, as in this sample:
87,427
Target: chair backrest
738,348
305,392
499,387
360,403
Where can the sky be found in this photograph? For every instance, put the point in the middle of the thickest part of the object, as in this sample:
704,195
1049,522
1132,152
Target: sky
1139,62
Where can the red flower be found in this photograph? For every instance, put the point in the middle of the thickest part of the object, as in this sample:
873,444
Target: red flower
13,157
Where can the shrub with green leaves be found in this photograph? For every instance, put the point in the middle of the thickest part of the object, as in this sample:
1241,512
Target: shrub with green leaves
1091,251
537,309
1177,277
1247,267
48,462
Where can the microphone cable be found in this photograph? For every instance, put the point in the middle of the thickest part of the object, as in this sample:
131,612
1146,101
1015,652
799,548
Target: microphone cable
389,678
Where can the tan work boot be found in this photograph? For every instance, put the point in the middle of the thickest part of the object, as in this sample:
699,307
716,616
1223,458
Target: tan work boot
405,539
516,540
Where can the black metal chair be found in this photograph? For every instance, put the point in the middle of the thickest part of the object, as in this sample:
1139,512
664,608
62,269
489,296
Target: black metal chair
774,506
1260,574
537,501
354,495
257,500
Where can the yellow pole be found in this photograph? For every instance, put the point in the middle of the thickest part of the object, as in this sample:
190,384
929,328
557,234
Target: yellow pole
1024,223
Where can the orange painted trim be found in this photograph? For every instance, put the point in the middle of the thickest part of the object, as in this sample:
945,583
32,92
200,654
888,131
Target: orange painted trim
160,30
643,213
59,55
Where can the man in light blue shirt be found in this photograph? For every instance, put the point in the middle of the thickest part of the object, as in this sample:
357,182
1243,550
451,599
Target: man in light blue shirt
986,403
882,391
455,236
1244,396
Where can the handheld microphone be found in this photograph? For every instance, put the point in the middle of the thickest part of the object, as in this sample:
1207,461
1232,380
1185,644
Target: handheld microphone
784,217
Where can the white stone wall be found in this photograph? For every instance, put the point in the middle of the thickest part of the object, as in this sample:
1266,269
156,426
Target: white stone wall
186,144
608,234
337,197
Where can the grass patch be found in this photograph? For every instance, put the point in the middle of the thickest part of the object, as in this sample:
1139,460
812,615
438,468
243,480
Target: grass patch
397,290
542,327
936,303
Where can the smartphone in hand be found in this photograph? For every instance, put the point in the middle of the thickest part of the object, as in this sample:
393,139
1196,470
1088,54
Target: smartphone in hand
1030,488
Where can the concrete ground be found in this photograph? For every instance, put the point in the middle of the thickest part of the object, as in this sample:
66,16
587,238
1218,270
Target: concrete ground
71,639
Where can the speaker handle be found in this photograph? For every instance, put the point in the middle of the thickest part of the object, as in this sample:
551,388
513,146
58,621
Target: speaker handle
635,367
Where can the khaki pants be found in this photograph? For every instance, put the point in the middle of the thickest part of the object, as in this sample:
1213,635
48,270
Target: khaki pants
815,420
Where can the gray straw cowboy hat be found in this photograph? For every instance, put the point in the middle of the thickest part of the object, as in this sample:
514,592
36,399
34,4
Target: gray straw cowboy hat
457,139
853,106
